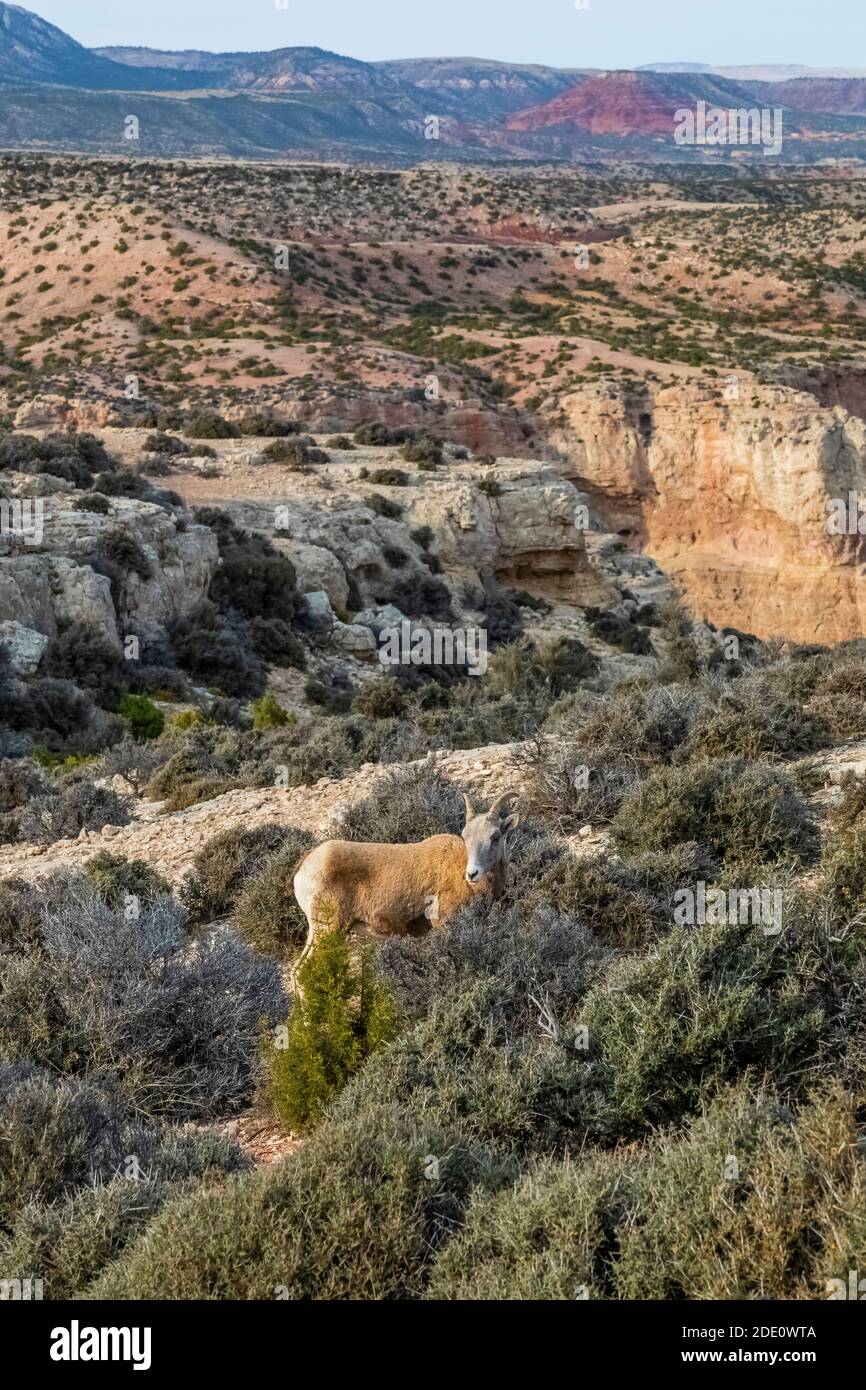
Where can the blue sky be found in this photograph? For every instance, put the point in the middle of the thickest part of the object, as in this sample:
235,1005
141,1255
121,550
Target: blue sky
610,33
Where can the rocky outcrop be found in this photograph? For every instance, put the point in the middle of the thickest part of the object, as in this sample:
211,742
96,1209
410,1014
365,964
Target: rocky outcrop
46,580
51,412
730,496
518,521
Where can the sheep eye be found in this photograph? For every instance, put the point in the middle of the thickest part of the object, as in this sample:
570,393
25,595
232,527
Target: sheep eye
495,836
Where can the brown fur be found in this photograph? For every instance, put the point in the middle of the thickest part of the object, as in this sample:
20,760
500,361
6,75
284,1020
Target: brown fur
401,889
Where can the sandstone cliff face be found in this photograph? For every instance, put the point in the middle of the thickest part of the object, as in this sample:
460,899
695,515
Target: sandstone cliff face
731,498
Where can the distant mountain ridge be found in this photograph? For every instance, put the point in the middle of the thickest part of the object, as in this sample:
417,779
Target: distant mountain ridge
56,94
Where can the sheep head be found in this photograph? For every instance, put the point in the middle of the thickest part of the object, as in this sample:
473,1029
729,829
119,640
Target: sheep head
484,838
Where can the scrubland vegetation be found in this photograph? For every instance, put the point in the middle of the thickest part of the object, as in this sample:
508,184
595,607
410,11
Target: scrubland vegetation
544,1097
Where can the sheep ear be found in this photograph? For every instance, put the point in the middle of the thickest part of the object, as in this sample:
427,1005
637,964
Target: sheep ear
470,809
511,823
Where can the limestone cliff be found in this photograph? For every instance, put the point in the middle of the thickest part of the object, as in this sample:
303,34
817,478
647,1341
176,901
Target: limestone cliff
728,490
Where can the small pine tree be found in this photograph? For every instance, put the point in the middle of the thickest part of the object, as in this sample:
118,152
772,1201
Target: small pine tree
268,713
144,719
344,1013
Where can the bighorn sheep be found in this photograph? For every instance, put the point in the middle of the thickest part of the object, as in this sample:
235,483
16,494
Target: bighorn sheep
400,889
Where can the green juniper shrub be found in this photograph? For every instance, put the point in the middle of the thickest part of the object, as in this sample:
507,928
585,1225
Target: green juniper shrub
144,719
341,1014
268,713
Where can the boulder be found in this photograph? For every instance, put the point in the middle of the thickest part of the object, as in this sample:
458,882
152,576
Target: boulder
24,645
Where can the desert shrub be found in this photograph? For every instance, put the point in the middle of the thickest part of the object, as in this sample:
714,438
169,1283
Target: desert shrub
203,424
420,595
296,453
332,694
263,425
275,643
172,1024
383,506
848,810
84,654
55,711
92,502
144,719
844,715
125,551
750,723
740,811
62,812
133,762
404,806
363,1187
20,781
114,878
382,698
382,435
562,785
342,1013
536,953
843,869
164,444
422,450
705,1004
72,1239
781,1228
673,1222
618,632
196,791
501,611
222,865
215,651
682,655
265,911
254,578
567,663
389,477
268,713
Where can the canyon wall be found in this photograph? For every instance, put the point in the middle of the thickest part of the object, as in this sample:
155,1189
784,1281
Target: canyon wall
730,497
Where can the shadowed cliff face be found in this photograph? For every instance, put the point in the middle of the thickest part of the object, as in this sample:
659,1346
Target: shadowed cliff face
732,498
